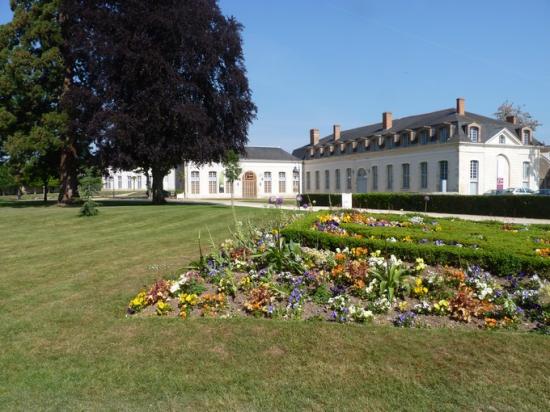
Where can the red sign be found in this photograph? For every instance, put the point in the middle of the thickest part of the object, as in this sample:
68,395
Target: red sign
500,183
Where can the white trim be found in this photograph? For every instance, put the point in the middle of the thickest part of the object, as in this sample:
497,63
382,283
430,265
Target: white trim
495,138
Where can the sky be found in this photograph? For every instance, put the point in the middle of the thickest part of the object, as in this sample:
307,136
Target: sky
315,63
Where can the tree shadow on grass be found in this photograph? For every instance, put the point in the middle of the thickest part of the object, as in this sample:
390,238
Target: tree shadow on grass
18,204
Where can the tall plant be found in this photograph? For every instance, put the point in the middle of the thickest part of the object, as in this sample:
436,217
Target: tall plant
232,170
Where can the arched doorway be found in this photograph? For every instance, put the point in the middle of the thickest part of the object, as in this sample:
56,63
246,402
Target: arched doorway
249,185
503,173
361,181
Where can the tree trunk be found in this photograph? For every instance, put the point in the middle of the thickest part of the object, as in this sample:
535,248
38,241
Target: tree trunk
158,191
148,183
68,174
46,191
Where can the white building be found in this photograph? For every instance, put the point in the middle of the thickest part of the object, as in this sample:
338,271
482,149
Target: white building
450,150
266,171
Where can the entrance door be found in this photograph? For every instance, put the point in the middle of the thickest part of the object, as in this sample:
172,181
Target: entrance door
361,181
249,185
503,173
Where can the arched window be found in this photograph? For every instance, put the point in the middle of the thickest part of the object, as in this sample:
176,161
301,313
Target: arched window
474,134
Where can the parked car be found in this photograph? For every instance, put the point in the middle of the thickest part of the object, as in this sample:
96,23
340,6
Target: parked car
543,192
517,191
493,192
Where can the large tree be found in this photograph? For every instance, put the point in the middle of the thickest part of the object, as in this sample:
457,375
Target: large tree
31,77
170,79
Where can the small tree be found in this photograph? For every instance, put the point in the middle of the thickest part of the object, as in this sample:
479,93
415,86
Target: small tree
232,170
90,185
524,118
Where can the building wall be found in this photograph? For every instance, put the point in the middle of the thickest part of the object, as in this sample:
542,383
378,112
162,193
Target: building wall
488,156
207,189
123,180
432,154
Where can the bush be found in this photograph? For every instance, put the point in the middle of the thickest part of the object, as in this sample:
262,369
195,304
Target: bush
513,206
492,257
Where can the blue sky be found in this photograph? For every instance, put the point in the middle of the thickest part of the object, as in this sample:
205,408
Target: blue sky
313,63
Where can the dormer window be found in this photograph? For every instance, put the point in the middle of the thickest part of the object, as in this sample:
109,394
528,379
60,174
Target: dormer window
389,142
444,134
424,137
405,139
474,134
502,139
526,136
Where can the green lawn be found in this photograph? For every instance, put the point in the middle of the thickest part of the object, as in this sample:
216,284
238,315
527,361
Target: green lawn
65,342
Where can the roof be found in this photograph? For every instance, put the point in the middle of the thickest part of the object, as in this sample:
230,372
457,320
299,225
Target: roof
268,153
489,127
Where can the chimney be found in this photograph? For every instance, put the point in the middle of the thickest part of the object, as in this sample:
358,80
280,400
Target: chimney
460,105
313,136
387,120
336,132
512,119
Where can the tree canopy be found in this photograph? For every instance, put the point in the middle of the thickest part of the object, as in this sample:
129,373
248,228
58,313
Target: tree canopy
31,81
524,118
168,82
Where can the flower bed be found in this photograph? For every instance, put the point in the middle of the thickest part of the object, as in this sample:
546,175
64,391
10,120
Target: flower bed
503,249
259,273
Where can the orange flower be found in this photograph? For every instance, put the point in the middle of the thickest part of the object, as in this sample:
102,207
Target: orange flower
490,323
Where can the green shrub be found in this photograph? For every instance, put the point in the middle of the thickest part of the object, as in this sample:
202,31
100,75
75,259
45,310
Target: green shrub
514,206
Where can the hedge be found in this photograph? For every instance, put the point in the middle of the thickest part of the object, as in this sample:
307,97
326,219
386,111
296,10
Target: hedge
497,261
505,205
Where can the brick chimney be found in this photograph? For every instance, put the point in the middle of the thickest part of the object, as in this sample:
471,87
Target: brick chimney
387,120
460,106
336,132
313,136
512,119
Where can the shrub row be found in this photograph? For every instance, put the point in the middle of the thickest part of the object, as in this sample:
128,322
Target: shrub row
498,262
513,206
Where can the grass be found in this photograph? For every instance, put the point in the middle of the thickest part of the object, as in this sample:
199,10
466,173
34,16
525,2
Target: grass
66,344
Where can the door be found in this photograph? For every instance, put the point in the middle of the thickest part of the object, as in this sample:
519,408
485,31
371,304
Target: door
361,181
503,173
474,177
249,185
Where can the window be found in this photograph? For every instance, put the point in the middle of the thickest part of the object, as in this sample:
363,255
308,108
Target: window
296,181
526,136
107,183
229,186
119,182
195,182
474,134
139,182
474,177
405,139
375,178
282,182
308,181
424,137
389,142
389,177
337,179
444,134
348,179
424,175
443,175
212,182
406,178
267,182
129,182
526,173
317,180
502,139
327,180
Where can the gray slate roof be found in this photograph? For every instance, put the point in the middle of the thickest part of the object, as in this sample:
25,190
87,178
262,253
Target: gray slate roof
489,127
268,153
